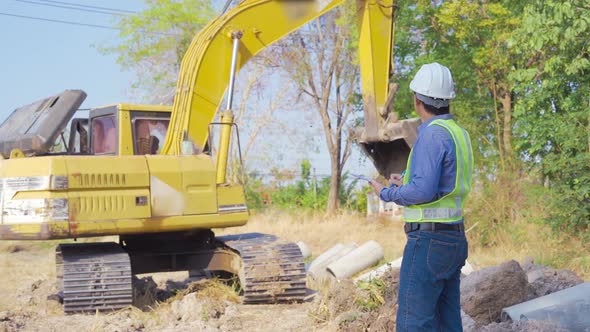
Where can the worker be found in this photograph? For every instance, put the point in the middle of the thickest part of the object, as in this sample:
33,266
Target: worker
433,190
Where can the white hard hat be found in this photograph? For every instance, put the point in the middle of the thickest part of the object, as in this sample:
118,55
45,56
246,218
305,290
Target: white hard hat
434,80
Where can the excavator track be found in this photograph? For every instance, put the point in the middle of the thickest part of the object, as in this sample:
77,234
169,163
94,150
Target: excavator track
94,277
273,270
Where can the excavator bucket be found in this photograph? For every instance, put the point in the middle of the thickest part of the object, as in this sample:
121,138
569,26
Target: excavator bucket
390,149
385,139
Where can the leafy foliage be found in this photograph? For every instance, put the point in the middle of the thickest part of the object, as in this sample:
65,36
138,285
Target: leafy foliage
553,116
308,192
153,41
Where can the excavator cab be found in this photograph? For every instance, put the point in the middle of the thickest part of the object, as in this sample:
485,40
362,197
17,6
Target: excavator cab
46,127
128,129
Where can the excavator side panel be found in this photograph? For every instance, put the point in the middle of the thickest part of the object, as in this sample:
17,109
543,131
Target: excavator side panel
107,187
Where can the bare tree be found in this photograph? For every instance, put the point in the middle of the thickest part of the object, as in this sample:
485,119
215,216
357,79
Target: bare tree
321,62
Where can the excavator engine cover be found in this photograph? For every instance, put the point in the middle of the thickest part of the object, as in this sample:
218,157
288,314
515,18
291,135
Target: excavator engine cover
33,128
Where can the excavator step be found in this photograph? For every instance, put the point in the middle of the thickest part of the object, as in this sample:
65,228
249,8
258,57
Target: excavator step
94,277
273,270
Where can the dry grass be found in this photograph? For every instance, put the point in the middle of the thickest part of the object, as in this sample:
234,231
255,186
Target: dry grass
321,233
517,241
537,241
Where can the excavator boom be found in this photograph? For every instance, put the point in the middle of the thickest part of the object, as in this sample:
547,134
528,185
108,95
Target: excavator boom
206,69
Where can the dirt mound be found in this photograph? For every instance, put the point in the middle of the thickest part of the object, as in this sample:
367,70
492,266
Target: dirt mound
199,306
365,306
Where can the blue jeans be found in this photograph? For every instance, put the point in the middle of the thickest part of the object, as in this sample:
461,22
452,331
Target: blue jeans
429,288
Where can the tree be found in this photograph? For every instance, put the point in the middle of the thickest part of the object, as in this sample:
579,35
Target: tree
323,67
154,41
553,116
473,38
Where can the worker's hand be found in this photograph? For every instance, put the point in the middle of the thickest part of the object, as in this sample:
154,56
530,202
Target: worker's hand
376,186
396,179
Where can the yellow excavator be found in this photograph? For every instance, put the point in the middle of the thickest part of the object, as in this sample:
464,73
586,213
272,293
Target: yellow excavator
146,173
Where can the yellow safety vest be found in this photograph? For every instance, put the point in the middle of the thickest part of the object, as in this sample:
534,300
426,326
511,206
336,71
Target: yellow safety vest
448,208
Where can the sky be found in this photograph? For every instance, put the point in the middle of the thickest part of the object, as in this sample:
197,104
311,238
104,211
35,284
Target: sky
40,58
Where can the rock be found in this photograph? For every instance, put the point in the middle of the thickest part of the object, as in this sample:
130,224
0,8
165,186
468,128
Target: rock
486,292
545,280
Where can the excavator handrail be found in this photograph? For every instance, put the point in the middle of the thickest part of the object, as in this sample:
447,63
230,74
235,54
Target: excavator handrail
205,68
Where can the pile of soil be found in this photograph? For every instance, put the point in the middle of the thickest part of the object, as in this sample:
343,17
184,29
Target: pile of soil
369,306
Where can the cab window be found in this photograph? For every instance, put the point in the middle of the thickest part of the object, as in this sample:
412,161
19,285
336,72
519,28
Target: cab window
150,134
104,135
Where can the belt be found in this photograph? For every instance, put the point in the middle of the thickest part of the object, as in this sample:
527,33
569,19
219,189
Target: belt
432,226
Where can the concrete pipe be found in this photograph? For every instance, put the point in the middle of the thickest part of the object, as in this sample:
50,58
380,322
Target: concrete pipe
380,271
567,309
357,260
305,250
317,269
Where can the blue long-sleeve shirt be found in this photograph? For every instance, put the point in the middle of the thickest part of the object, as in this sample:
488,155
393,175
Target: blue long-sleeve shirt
433,169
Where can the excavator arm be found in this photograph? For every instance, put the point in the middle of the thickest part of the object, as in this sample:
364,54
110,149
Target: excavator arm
206,69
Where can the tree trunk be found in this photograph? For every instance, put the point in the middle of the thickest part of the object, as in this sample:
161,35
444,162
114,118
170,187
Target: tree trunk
588,129
498,126
334,197
507,130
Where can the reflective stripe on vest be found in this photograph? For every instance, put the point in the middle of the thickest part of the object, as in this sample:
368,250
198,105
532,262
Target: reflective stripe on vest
450,207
